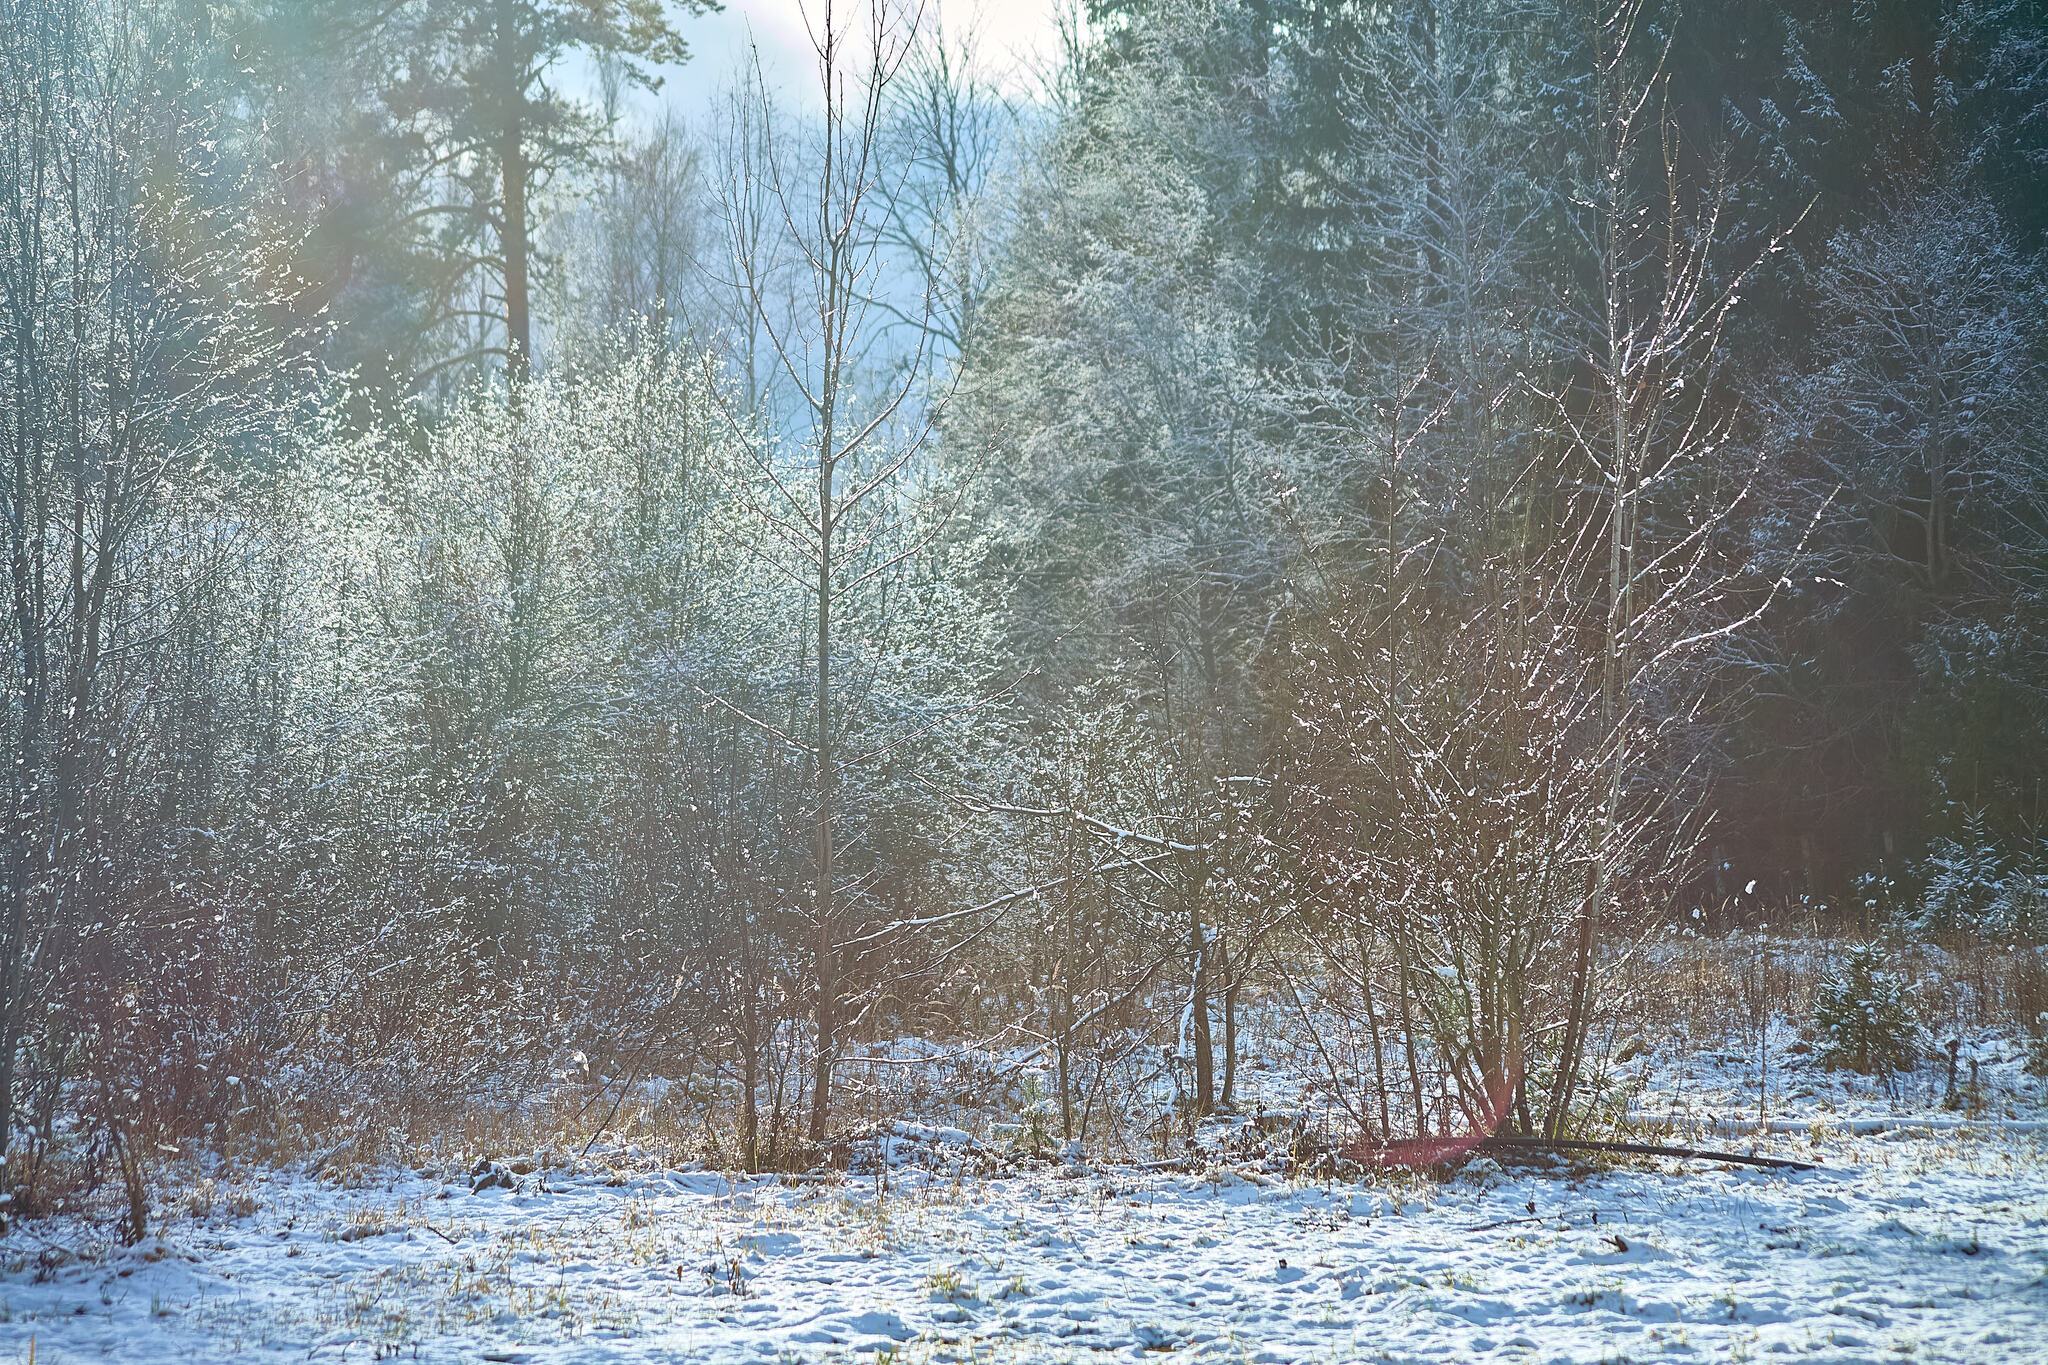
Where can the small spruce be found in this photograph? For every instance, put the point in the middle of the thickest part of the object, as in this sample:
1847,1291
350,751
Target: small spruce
1865,1015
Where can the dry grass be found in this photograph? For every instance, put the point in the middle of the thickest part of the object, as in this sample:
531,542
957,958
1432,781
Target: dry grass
350,1114
1710,990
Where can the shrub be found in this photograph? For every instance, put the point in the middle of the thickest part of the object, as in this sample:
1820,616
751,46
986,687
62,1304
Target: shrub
1865,1015
1034,1134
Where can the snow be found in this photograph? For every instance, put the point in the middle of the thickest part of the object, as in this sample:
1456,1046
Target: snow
1906,1245
1922,1235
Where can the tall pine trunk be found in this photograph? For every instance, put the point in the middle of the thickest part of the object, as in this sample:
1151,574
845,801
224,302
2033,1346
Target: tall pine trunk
518,315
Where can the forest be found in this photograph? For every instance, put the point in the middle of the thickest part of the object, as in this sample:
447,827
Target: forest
1445,544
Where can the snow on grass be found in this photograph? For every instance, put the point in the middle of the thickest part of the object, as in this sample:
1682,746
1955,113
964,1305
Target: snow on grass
1912,1242
1900,1248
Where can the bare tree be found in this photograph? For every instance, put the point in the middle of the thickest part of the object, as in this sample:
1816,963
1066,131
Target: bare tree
643,238
836,505
1649,424
132,351
950,136
1450,819
1529,596
753,284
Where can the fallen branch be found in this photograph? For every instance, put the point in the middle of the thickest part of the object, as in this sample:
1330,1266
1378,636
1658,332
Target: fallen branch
1855,1127
1638,1149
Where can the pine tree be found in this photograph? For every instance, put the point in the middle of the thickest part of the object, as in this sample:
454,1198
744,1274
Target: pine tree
1865,1015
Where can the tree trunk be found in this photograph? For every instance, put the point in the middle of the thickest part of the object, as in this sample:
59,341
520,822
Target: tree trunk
1372,1030
826,951
518,317
1063,1052
1230,1039
827,1017
513,174
20,880
1937,513
1198,1010
22,846
750,1065
137,1226
1620,570
1406,993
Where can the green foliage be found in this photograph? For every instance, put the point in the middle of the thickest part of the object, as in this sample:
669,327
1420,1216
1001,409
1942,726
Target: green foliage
1034,1135
1865,1016
1980,884
429,141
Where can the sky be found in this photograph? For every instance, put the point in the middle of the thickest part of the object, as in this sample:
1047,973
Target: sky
1015,36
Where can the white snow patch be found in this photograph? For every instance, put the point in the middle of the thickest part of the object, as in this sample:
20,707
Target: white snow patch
1937,1242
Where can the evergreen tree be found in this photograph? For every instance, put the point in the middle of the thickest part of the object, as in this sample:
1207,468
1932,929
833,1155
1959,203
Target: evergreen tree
1865,1015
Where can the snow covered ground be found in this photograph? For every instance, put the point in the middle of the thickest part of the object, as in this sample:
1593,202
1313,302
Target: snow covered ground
1922,1236
1903,1247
